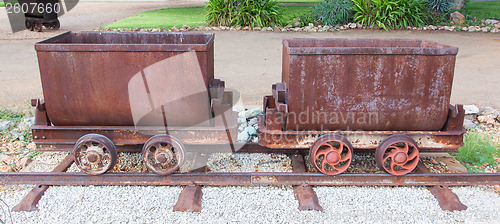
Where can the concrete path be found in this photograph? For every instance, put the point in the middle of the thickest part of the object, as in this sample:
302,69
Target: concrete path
250,62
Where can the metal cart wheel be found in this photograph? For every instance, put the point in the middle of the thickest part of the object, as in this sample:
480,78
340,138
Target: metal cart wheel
28,24
397,155
37,26
95,154
163,154
331,154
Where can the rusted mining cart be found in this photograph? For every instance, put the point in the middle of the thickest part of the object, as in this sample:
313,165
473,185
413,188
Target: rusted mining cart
108,89
340,94
40,13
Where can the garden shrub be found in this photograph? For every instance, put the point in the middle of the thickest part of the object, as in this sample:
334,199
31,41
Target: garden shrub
332,12
244,13
389,14
443,6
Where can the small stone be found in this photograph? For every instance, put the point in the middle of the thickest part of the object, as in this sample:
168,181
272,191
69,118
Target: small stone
442,163
257,28
252,121
289,26
469,125
251,131
457,18
6,169
352,26
246,28
242,120
488,119
491,21
243,127
489,111
296,24
5,124
471,29
252,113
464,29
283,30
263,29
495,30
310,25
238,27
242,114
276,29
25,161
174,29
243,136
485,29
471,109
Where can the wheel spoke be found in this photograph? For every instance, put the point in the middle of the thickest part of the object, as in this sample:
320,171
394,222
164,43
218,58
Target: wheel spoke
346,156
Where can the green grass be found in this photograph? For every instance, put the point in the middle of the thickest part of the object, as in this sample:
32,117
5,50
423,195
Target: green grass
191,16
11,134
168,17
2,3
483,10
478,151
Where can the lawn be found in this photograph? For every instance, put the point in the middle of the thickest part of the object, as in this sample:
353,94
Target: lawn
486,10
191,16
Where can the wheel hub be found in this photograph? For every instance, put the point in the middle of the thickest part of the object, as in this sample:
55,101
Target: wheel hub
400,158
94,154
163,157
332,158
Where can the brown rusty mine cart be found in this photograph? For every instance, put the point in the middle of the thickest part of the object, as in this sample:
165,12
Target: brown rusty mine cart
337,95
156,92
104,90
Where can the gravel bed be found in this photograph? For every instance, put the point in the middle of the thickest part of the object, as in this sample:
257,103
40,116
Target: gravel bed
125,204
255,162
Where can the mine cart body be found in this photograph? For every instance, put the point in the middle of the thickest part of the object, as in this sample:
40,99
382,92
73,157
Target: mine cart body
366,88
46,17
129,86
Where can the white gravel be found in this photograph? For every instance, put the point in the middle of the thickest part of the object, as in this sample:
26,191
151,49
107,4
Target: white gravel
124,204
264,204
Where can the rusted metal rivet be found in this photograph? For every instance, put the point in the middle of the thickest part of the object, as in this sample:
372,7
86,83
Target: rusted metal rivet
43,137
36,137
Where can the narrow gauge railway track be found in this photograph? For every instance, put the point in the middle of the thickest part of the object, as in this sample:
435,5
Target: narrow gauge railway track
300,179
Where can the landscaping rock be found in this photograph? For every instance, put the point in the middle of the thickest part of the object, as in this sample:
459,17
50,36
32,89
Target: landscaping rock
246,28
487,119
457,18
491,21
174,29
471,29
471,109
243,127
251,131
469,125
5,124
252,121
252,113
243,136
25,161
6,169
352,25
488,111
257,28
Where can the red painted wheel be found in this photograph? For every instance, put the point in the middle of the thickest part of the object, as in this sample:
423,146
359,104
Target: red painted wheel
397,155
163,154
331,154
95,154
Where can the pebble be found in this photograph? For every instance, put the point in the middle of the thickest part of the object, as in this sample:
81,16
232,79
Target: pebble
5,124
469,125
243,136
251,131
487,119
252,121
471,109
251,113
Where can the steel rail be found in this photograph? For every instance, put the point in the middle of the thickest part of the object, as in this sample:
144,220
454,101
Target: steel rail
242,179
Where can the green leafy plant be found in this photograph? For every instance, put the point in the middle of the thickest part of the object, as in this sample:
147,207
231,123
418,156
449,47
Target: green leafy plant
477,151
258,13
389,14
243,13
333,12
221,12
443,6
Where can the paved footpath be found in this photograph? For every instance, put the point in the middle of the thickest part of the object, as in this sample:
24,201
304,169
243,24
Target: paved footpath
249,62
